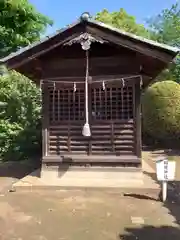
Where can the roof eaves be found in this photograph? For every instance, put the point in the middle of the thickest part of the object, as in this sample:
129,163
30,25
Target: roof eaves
14,54
131,35
97,23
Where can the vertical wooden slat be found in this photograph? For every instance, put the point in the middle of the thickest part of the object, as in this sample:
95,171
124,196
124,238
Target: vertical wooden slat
112,137
100,103
69,105
62,104
105,102
137,118
74,106
53,105
58,105
69,118
90,97
128,103
111,103
69,138
45,120
79,104
90,146
95,109
122,102
117,102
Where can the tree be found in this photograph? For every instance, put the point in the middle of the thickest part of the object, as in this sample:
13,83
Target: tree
20,131
165,28
20,25
122,20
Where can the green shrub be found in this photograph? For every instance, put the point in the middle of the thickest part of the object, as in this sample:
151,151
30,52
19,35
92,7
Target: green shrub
161,110
20,130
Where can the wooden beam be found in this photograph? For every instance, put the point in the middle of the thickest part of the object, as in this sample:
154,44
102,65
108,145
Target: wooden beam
96,71
80,158
137,118
113,61
45,122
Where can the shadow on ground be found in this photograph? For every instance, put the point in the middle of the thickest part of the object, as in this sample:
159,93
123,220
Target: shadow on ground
173,199
19,170
140,196
150,232
161,232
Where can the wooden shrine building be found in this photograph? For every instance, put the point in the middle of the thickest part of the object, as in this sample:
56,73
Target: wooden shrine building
91,77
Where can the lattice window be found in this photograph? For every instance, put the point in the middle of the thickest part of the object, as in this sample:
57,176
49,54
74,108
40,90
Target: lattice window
66,105
112,103
109,104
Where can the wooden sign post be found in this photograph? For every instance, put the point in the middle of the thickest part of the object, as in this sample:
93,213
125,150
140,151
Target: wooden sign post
165,171
164,182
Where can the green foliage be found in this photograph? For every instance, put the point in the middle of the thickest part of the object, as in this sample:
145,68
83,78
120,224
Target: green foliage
20,24
161,110
20,131
123,21
165,28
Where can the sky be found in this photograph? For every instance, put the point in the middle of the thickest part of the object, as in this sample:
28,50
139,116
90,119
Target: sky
64,12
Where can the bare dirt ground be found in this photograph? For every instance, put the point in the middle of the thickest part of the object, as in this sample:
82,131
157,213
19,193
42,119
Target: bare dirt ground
87,214
79,215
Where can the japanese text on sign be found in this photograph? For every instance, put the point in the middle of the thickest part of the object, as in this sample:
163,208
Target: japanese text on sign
165,169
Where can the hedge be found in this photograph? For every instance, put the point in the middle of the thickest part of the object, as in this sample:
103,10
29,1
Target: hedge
161,110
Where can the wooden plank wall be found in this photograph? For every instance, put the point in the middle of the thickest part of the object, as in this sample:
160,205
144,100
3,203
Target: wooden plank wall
111,134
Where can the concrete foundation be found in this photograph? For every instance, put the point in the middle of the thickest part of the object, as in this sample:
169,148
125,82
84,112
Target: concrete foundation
91,176
87,177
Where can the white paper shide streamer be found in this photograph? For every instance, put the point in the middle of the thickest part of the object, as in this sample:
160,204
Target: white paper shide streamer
86,128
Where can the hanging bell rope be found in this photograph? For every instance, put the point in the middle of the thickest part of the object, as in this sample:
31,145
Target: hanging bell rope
86,128
104,86
123,83
74,87
141,81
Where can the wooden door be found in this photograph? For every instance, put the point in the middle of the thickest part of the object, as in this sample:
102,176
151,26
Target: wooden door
112,120
66,115
111,117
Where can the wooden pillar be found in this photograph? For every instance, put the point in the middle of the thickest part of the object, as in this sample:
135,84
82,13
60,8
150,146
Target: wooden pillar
45,121
137,118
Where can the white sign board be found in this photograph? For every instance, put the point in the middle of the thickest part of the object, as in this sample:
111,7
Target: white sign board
165,169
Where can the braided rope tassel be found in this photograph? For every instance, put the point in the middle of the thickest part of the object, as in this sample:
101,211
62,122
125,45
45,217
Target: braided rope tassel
86,128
